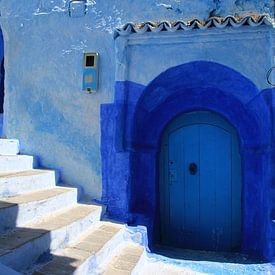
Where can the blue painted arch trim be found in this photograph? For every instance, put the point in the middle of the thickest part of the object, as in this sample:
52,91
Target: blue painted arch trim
132,129
204,85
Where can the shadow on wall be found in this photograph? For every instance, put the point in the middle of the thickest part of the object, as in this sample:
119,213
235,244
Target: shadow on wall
1,124
2,77
208,256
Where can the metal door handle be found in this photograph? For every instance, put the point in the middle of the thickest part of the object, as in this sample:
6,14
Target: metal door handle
193,168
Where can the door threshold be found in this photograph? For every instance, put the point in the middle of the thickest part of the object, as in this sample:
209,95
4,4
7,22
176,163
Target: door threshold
202,255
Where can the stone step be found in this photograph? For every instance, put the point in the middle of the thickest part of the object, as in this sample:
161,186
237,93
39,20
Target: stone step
9,146
21,209
125,262
15,163
88,254
21,248
14,183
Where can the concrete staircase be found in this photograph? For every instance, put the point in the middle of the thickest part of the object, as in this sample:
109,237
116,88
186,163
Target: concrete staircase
44,230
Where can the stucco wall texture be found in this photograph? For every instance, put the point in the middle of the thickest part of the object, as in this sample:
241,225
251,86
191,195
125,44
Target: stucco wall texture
44,105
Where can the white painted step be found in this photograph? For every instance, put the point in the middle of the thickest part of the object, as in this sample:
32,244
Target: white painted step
15,163
22,209
125,262
9,146
88,254
149,265
21,248
14,183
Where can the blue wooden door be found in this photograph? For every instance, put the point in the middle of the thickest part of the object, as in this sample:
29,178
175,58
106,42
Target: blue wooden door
200,183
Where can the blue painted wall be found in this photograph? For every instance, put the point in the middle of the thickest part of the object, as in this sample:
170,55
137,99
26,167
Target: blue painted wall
45,107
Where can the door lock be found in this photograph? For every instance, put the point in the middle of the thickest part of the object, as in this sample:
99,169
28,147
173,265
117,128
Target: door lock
193,168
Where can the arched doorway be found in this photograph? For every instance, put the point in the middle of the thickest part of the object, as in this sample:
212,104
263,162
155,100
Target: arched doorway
132,128
200,183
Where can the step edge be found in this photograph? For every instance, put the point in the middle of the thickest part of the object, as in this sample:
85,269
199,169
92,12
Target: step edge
92,257
4,257
39,200
23,173
24,218
17,156
52,216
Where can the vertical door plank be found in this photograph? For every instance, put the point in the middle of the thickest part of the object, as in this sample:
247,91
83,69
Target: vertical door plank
207,188
176,187
191,183
164,193
236,196
215,188
223,190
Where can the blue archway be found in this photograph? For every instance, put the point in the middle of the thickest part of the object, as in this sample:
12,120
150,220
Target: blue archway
132,127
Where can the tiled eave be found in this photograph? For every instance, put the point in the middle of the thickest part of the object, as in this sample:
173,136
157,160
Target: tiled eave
213,22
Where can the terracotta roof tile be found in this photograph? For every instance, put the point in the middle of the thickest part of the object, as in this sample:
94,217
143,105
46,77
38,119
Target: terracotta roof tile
252,20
